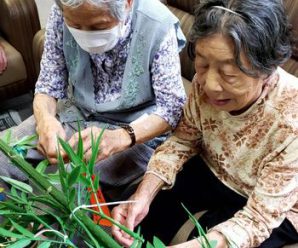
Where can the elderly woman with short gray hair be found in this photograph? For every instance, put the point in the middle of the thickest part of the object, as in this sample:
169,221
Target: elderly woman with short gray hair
237,141
117,64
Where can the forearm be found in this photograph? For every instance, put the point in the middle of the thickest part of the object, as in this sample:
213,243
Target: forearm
149,187
149,127
44,106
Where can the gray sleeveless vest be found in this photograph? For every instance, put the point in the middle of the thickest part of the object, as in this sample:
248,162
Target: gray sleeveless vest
151,21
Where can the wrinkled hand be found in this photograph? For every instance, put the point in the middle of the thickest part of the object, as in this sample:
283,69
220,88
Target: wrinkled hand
129,215
3,60
48,131
112,141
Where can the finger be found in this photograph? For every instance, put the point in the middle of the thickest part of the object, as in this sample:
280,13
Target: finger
87,155
41,150
53,161
73,140
126,242
130,220
120,214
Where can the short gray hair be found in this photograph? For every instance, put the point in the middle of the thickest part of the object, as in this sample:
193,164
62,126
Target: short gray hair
259,28
116,7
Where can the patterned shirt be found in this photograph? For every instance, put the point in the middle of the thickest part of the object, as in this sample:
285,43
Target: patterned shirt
108,70
254,154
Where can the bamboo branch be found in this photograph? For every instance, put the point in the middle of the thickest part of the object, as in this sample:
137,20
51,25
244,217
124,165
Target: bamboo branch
105,239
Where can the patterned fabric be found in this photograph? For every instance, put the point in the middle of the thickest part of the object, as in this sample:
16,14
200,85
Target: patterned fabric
254,154
108,70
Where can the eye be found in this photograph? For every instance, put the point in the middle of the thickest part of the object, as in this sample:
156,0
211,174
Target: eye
229,77
201,64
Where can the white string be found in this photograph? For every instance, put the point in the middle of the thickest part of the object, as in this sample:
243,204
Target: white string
100,204
65,237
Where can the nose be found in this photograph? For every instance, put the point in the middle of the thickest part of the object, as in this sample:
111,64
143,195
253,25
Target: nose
212,81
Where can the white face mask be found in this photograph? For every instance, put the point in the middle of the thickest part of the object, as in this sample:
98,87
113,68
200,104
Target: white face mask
99,41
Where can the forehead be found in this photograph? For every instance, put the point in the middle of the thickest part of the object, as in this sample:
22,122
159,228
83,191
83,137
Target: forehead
216,47
87,14
221,49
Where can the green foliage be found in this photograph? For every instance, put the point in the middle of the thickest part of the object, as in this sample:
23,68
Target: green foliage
46,214
41,212
203,239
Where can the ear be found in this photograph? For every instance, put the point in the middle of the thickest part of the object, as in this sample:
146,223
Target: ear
128,4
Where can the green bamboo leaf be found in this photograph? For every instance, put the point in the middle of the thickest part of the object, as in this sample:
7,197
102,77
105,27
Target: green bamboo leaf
157,243
6,233
89,245
44,245
14,192
15,199
96,182
70,153
95,150
24,196
21,229
41,167
26,140
205,241
73,176
149,245
7,136
84,180
62,171
5,212
18,185
72,195
20,244
49,201
136,244
54,177
80,150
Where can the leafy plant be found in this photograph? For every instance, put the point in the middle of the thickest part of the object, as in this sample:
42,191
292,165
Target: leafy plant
203,239
50,215
55,216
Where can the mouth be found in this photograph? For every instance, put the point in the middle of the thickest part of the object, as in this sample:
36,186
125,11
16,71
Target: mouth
219,102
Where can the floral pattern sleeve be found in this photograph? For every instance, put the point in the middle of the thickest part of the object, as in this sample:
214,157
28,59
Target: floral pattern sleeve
274,195
166,80
53,76
168,158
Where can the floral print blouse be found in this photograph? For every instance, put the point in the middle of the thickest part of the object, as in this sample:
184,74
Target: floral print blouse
254,153
108,69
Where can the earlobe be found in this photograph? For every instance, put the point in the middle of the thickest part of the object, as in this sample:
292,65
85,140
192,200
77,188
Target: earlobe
129,4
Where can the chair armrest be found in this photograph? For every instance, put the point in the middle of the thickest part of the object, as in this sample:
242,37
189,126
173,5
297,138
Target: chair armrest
38,42
19,21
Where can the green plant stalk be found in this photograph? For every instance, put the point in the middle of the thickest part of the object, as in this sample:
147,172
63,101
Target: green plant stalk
124,228
96,230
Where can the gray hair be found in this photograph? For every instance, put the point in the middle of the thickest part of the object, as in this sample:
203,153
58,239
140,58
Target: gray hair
259,28
116,7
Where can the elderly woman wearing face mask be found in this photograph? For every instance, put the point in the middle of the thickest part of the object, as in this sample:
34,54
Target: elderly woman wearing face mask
118,62
239,133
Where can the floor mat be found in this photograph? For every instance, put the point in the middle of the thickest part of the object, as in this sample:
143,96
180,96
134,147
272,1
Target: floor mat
9,119
15,110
